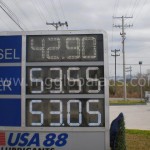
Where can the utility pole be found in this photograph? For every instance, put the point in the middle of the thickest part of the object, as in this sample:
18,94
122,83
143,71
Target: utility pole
115,55
140,63
123,26
129,69
58,24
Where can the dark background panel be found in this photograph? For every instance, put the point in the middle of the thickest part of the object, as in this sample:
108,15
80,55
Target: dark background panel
45,107
40,44
45,76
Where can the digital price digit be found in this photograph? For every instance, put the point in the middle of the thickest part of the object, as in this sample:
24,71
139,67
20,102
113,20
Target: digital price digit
53,49
57,112
84,51
36,80
70,79
36,113
69,112
94,81
73,48
57,71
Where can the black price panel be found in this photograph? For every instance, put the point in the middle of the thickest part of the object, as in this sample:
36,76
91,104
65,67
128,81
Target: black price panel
65,112
50,48
65,80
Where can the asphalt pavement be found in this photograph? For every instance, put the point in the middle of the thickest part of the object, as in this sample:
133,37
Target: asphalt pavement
136,116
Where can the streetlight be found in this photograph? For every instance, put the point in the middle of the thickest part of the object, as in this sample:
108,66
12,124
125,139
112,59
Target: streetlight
140,63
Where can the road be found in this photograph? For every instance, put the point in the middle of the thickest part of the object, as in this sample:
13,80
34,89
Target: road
136,116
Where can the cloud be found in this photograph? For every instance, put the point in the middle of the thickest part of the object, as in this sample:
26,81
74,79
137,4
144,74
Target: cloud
87,14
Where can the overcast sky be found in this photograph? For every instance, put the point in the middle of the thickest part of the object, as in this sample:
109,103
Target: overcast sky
89,14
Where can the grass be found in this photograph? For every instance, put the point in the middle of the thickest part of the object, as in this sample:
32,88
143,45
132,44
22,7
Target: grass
137,139
127,102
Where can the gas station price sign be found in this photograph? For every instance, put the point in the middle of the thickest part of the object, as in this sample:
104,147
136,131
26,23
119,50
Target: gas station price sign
63,65
54,84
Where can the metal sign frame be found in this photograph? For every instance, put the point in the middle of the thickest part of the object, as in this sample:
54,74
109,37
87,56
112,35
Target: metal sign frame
23,96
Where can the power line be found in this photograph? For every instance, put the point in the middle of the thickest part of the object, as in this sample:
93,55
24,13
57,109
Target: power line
129,8
139,12
48,12
55,10
10,14
135,5
116,8
62,10
16,4
39,4
35,6
129,64
4,22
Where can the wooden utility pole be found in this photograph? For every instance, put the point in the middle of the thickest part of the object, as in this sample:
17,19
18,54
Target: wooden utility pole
123,26
115,55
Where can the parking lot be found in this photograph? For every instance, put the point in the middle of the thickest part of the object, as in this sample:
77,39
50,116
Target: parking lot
136,116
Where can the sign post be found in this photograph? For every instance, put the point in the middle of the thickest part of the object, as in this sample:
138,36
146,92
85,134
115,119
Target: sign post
56,91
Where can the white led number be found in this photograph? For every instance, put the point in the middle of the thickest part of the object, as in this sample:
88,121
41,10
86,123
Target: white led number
57,113
94,81
84,50
73,48
56,80
42,48
36,113
93,113
72,80
50,50
36,80
69,103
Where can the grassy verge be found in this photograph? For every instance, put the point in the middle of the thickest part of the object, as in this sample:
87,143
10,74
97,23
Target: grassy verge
127,102
137,139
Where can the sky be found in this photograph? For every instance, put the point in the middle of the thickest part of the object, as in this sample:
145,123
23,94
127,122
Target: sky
89,14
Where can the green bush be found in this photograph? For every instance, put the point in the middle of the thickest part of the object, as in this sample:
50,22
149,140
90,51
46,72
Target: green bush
121,139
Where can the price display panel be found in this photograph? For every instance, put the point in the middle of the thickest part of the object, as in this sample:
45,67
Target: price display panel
67,65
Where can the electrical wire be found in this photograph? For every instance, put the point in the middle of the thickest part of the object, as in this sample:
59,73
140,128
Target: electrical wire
47,9
4,22
23,14
10,14
129,64
129,8
135,5
139,12
19,17
115,8
39,4
8,9
55,10
62,10
37,10
113,22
